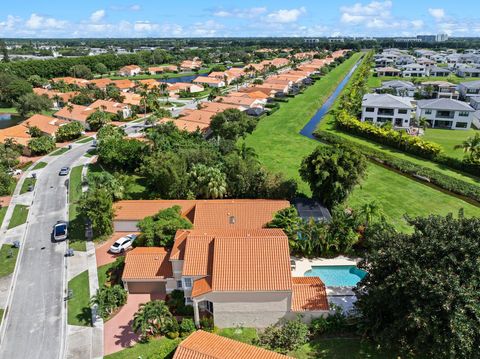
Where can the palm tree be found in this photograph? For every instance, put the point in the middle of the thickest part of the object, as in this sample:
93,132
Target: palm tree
370,212
246,152
152,318
471,146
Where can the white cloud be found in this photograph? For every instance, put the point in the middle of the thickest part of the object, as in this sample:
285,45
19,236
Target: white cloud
438,14
286,16
135,7
241,13
359,13
206,29
97,16
38,22
417,24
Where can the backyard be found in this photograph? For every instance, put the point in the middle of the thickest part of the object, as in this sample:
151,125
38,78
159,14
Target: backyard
281,148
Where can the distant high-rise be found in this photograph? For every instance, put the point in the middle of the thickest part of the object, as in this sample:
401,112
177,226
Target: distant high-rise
441,37
427,38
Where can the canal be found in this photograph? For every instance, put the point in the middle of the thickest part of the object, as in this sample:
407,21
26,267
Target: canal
322,111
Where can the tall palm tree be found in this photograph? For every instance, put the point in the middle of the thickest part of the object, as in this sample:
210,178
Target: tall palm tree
246,152
471,146
152,318
370,212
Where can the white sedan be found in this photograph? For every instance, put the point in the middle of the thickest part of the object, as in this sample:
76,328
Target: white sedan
122,244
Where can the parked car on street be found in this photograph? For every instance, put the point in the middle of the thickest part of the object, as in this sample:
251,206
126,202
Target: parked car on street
60,231
64,171
122,244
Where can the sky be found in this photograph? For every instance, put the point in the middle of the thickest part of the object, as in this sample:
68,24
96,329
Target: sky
247,18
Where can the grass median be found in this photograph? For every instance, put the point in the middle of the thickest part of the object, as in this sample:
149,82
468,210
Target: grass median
78,306
39,166
19,216
76,222
8,258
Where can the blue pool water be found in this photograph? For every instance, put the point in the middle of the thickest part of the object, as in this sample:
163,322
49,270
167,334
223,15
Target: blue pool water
337,276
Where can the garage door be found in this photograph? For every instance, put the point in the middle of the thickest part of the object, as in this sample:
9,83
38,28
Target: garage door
146,287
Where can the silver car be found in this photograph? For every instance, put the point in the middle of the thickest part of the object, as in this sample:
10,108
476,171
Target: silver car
60,231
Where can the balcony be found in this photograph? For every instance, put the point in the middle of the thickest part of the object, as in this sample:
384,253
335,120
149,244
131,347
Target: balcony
449,115
385,112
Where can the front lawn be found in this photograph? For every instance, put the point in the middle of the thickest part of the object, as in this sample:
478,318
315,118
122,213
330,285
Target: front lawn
162,348
277,139
8,258
78,306
30,181
77,226
85,140
449,138
39,166
3,212
244,335
19,216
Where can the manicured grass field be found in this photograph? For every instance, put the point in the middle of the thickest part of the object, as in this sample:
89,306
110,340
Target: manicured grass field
3,212
374,81
162,348
39,166
11,110
76,235
29,181
85,140
449,138
8,258
245,335
78,307
19,216
59,152
277,140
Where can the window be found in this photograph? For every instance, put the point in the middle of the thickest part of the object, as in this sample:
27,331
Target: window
369,119
369,109
179,284
210,307
188,300
463,114
461,125
187,282
428,112
402,112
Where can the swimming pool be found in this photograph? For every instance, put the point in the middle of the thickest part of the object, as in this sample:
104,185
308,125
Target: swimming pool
337,276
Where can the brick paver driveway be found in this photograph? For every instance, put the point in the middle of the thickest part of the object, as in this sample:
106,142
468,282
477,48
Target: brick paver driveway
101,252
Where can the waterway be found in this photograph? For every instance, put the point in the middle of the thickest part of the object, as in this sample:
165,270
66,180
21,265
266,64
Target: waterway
7,120
322,111
187,78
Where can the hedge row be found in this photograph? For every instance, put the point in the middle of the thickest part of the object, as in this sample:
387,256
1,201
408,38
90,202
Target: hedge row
446,182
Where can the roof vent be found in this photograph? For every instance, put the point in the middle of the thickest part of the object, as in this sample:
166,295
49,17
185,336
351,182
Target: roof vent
156,258
231,219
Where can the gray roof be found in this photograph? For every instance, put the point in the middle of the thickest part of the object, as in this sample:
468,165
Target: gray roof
398,84
414,66
471,84
386,100
439,69
444,104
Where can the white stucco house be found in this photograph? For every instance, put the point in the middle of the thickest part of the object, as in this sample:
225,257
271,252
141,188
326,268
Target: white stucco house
468,89
382,108
446,113
414,70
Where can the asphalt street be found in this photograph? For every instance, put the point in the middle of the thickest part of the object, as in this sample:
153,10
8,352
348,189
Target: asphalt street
36,320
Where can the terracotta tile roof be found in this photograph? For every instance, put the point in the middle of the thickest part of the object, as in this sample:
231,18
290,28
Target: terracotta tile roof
135,210
78,113
198,255
308,294
197,116
251,264
237,100
124,84
46,124
65,96
108,106
208,80
131,98
147,263
202,286
17,133
217,107
185,124
101,83
178,249
71,81
185,86
151,83
203,345
129,68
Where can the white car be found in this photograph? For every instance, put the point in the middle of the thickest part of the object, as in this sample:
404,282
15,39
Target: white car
60,231
122,244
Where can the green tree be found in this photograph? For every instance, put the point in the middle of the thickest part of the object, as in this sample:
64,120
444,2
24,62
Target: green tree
232,124
288,220
422,293
284,337
209,182
152,319
332,172
100,68
34,131
41,145
81,71
160,229
370,212
31,103
69,131
98,119
36,81
109,299
96,205
471,146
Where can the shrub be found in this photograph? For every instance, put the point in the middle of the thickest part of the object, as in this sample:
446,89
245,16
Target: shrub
284,338
108,299
187,326
176,304
206,323
41,145
69,131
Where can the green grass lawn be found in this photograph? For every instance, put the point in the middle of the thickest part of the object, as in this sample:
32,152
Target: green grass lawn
168,75
162,348
3,212
39,166
1,315
339,348
11,110
277,140
374,81
19,216
78,307
8,258
246,335
59,152
102,273
76,237
449,138
30,181
85,140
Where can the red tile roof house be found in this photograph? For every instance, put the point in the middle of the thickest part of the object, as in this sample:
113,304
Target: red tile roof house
130,70
209,81
204,345
228,266
59,99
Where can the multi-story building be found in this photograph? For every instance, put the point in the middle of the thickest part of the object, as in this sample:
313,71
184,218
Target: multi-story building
445,113
386,108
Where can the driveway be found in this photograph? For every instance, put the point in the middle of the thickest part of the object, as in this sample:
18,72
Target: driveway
101,251
117,332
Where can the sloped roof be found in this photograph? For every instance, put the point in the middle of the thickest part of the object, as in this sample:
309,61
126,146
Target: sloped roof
398,84
471,84
204,345
308,294
147,263
444,104
387,100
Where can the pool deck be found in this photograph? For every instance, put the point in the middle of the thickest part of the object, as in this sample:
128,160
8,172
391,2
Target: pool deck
340,296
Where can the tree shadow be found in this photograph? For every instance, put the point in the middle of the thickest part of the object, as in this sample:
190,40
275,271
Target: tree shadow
85,317
127,337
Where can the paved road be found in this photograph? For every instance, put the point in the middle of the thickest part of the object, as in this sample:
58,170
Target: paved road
35,322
